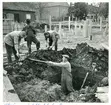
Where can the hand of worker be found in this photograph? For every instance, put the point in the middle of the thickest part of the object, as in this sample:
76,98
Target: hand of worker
19,50
50,48
49,63
47,46
18,54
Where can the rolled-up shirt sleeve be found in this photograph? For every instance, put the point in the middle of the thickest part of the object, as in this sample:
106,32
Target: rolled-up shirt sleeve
62,64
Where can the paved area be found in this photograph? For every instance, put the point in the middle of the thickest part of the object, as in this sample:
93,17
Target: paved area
8,91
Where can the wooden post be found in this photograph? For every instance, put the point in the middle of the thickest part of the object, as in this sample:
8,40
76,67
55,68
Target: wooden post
90,30
45,28
60,29
50,22
85,29
55,28
37,19
80,26
75,27
100,23
106,30
72,31
69,23
60,26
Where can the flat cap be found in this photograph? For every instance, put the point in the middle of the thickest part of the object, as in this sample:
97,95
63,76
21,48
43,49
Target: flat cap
67,56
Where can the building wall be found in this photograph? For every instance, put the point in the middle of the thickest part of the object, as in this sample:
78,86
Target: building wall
22,14
56,12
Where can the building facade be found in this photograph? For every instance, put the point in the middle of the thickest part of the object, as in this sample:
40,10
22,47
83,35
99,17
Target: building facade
18,12
57,10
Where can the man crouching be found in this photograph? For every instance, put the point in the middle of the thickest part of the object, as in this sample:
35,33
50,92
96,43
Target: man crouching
12,42
51,38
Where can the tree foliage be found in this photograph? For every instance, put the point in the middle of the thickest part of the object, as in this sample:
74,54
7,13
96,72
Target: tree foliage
104,9
79,10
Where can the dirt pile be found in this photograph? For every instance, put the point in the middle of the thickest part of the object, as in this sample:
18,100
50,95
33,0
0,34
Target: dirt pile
38,90
90,55
23,73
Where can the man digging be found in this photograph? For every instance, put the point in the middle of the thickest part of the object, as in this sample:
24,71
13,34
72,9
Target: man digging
12,42
31,37
53,37
66,77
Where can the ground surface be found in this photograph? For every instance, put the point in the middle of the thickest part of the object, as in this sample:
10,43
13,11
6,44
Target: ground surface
70,40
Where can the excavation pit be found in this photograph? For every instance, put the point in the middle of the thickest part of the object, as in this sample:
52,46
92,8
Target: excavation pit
38,82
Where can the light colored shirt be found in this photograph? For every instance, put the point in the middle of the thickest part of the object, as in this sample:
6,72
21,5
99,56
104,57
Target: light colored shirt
64,65
12,38
50,31
54,36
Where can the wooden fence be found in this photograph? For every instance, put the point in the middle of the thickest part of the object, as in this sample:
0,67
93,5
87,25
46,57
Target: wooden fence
10,25
73,26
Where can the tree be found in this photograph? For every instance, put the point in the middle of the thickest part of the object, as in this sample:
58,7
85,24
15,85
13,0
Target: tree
40,7
104,9
93,9
78,10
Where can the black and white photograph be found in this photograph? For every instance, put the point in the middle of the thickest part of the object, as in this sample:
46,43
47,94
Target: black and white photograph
55,52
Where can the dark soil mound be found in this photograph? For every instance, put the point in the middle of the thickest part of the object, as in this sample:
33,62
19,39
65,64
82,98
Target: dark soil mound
81,60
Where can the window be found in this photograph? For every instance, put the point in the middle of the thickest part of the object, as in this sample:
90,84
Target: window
28,16
16,17
4,16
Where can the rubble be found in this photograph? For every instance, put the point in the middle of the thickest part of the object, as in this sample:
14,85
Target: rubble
35,81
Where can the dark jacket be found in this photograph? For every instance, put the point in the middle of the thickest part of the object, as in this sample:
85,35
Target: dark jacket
30,30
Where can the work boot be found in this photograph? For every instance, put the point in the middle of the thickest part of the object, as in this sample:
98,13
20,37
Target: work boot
16,58
9,58
63,96
37,45
71,96
56,47
29,50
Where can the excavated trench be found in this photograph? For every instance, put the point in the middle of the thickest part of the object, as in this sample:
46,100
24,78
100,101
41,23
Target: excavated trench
31,78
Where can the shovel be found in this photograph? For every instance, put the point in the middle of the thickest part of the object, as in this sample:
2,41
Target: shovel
84,80
36,60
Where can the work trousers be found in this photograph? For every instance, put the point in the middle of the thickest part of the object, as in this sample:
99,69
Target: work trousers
33,39
66,84
11,50
56,44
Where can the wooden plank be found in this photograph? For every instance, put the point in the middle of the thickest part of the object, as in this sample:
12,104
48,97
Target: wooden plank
105,46
9,96
102,93
104,89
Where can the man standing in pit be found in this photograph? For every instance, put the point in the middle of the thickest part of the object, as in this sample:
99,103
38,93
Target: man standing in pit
30,32
51,38
12,42
66,78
